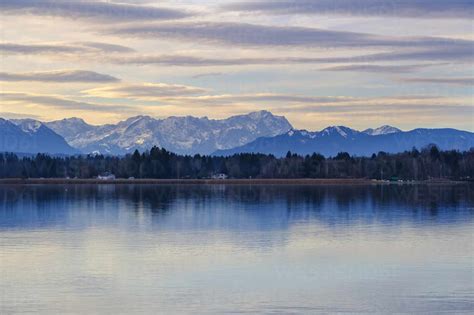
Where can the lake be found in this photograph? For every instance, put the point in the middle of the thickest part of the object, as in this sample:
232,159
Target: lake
128,249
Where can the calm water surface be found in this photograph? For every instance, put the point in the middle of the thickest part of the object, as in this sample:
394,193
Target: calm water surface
245,249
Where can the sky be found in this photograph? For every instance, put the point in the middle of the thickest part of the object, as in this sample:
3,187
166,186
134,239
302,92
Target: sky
358,63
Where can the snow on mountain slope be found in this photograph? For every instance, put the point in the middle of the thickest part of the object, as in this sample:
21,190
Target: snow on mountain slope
31,136
184,135
383,130
258,132
341,131
30,126
333,140
69,128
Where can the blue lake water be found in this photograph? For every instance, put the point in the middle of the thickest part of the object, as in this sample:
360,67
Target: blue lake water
128,249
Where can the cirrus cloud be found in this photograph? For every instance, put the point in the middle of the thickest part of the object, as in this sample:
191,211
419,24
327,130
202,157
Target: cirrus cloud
455,81
145,91
245,34
59,76
449,9
61,48
453,54
381,68
90,10
55,101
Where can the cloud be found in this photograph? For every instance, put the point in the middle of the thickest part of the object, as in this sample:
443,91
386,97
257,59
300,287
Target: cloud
455,51
243,34
360,109
457,9
14,98
12,48
192,97
62,48
106,47
193,61
310,111
59,76
381,68
10,115
267,98
146,91
209,74
453,54
455,81
408,109
90,10
297,101
173,94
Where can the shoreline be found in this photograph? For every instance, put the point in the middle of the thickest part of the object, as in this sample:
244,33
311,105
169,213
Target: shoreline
291,181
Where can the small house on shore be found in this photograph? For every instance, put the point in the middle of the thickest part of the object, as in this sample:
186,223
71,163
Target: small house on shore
106,176
220,176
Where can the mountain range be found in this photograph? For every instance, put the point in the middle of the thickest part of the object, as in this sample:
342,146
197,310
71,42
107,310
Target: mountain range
333,140
257,132
183,135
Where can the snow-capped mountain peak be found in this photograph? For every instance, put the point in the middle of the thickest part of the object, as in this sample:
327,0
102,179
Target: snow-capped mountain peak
303,133
28,125
74,120
32,136
382,130
185,135
69,128
259,114
338,130
333,140
134,119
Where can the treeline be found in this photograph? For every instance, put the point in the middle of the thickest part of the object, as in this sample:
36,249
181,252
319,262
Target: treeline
159,163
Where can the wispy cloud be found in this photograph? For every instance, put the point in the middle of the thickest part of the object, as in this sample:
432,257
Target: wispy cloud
12,48
208,74
195,96
453,54
454,51
90,10
463,9
244,34
381,68
291,103
191,97
146,91
62,48
107,47
59,76
54,101
307,111
382,108
10,115
257,98
455,81
462,52
405,111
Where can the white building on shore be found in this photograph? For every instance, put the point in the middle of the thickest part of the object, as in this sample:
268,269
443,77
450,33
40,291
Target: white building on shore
220,176
106,176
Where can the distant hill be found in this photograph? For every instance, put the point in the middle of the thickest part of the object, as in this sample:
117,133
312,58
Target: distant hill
333,140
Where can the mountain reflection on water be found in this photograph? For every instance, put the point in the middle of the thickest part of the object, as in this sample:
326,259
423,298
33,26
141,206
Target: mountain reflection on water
135,249
257,206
